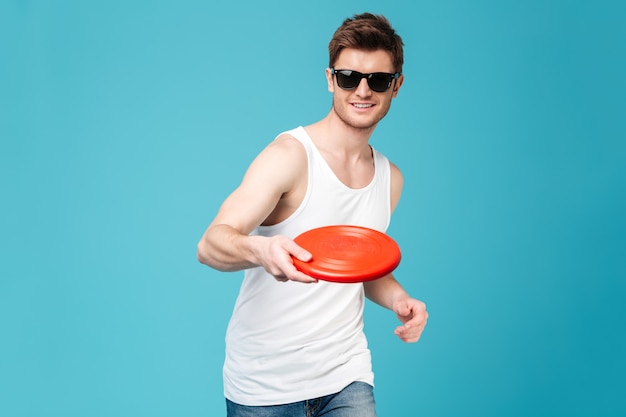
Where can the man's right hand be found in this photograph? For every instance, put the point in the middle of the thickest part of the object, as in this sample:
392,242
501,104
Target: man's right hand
275,255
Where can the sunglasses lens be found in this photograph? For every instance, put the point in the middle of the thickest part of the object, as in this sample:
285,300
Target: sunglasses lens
348,79
379,82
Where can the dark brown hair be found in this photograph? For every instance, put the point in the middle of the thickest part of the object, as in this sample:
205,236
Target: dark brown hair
368,32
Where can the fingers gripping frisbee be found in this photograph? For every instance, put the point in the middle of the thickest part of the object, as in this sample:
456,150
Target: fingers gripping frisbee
348,254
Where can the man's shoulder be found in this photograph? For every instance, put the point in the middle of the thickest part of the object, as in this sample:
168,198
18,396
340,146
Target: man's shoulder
285,153
288,143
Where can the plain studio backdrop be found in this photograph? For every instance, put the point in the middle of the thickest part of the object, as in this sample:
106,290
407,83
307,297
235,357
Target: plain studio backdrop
124,124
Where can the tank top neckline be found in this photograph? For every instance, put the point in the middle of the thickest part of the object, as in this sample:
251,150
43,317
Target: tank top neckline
332,174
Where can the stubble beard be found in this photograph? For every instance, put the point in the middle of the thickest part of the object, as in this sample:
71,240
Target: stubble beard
356,124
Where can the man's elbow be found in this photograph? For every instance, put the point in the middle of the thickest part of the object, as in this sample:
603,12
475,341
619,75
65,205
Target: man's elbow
202,255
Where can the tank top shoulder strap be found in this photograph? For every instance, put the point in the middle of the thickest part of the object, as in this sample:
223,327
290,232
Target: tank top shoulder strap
301,136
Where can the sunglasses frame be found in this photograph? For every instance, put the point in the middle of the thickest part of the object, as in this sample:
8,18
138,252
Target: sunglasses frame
368,77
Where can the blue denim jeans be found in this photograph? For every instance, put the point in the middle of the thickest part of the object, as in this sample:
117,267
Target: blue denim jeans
355,400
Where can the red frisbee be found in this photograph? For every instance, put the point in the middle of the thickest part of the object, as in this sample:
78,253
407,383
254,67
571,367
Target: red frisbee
348,254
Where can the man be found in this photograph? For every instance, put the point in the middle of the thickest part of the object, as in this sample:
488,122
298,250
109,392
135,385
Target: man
295,346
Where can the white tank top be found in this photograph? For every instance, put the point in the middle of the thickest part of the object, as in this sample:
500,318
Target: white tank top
288,341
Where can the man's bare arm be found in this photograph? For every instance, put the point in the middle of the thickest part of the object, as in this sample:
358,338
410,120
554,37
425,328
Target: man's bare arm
227,246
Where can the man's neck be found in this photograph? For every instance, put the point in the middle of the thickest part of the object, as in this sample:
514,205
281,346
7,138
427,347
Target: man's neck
333,133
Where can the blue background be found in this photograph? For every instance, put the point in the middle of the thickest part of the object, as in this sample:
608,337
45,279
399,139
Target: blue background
124,124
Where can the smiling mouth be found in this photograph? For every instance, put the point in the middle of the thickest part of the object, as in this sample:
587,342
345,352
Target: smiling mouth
362,106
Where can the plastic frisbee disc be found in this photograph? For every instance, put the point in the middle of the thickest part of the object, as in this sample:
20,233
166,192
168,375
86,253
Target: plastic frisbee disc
348,254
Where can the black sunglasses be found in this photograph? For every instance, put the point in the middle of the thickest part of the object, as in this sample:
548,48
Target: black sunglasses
378,81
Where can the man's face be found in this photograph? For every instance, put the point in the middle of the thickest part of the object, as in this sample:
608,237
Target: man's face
361,107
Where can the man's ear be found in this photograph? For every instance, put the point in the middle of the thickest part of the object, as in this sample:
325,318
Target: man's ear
397,84
329,79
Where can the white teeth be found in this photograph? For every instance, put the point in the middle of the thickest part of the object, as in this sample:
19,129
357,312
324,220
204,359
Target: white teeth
362,106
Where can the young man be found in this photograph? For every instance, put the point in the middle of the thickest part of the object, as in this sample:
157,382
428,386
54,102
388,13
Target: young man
295,346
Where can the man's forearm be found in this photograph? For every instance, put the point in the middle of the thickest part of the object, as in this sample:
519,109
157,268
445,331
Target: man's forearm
226,249
384,291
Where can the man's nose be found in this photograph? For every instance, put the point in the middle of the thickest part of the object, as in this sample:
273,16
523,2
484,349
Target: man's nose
363,89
